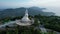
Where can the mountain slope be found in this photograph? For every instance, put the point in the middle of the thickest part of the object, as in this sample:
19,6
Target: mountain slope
20,12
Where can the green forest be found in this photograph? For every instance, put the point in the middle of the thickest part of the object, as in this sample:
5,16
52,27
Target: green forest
49,22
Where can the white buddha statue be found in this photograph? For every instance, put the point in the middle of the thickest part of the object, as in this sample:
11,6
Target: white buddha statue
25,19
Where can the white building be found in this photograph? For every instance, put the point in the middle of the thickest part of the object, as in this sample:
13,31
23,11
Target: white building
25,21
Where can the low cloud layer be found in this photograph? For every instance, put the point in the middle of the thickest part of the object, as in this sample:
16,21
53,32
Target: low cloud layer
50,4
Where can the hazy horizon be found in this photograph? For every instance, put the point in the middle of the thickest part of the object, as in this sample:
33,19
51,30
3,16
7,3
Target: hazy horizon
50,5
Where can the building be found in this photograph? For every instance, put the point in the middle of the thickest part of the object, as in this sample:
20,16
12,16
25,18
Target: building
25,21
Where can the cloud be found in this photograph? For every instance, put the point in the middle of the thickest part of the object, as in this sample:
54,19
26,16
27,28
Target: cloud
51,5
44,3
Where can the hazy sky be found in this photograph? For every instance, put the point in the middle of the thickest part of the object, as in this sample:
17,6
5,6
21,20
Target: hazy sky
51,5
